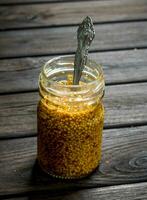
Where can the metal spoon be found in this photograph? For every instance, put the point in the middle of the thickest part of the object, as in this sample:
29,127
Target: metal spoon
85,35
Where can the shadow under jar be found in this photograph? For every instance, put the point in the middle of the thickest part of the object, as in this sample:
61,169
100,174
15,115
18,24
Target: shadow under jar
70,118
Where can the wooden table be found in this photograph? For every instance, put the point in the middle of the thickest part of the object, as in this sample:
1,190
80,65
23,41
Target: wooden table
33,31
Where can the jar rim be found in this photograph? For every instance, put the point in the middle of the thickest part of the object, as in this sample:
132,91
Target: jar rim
72,86
57,88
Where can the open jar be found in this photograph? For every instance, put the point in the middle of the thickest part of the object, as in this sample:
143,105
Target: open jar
70,118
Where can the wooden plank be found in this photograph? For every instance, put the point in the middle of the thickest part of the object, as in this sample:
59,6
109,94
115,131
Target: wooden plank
123,161
119,67
125,105
130,192
63,40
53,14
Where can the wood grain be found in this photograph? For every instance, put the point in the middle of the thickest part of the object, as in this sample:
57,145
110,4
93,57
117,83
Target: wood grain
125,105
119,67
53,14
63,40
121,192
123,161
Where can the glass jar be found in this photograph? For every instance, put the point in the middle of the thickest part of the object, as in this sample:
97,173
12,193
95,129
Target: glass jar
70,118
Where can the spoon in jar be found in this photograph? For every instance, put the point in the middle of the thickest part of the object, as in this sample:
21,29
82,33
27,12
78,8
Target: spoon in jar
85,35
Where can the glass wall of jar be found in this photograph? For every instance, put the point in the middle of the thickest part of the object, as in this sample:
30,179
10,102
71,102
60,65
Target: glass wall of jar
70,118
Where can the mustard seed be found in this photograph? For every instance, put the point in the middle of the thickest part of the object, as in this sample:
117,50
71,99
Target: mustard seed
69,140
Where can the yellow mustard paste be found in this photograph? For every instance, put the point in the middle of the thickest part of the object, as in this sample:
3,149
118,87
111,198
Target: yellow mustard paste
69,138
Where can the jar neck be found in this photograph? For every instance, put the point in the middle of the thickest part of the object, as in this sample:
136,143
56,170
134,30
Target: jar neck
55,81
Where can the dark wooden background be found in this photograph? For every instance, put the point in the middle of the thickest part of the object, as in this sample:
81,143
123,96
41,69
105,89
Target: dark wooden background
33,31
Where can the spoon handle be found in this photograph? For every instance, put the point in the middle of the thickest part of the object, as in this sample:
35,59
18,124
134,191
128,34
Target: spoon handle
85,35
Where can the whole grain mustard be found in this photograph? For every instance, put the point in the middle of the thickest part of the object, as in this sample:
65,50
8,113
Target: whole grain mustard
69,132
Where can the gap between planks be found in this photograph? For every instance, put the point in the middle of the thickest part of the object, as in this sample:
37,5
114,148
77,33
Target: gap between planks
72,25
126,191
73,52
31,2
